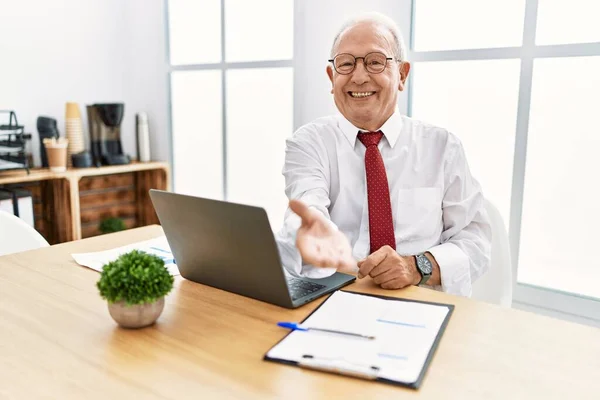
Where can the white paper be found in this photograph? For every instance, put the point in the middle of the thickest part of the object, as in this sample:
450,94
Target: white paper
404,334
158,246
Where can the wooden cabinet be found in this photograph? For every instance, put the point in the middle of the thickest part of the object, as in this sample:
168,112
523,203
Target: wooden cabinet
70,205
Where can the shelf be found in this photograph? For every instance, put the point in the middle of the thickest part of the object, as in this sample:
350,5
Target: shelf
39,174
69,205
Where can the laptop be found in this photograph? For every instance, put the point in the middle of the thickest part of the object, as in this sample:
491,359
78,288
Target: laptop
231,247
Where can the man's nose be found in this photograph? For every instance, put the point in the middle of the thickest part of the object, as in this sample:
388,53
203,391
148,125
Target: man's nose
360,74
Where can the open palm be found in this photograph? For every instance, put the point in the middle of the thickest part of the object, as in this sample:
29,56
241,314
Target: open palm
319,243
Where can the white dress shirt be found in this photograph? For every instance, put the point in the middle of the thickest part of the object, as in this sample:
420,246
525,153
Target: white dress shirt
437,206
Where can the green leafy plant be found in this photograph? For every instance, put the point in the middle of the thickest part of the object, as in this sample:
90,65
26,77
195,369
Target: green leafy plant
135,278
112,224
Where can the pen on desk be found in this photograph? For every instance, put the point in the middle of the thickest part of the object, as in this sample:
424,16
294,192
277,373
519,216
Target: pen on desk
298,327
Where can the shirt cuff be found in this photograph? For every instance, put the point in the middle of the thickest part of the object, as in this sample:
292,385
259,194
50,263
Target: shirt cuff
454,269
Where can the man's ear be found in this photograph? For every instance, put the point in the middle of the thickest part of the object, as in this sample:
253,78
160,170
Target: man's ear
330,75
403,69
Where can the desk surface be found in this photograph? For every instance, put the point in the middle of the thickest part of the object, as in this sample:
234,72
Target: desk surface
57,340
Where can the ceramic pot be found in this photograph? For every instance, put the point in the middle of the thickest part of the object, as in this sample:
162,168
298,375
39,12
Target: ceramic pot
138,315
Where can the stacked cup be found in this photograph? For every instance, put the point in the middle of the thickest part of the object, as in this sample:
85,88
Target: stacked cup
74,130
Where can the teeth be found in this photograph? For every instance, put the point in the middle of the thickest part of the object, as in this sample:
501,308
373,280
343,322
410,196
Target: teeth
361,94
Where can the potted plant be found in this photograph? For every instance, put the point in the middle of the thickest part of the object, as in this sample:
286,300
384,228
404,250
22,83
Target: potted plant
110,225
134,286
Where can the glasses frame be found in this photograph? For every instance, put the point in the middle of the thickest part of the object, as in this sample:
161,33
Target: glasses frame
332,61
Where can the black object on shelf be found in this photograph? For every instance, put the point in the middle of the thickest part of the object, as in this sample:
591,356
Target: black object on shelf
82,160
105,133
47,129
12,143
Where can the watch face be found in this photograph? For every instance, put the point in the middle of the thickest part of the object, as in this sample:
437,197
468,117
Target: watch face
424,264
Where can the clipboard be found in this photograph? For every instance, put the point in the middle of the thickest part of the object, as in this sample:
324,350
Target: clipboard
365,370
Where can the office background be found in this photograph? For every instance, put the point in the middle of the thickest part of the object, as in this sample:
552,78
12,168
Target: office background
224,82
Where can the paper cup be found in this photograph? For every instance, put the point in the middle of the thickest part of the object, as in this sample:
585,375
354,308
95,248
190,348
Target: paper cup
57,156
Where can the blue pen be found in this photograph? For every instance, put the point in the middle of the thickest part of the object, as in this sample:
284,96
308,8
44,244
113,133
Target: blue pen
298,327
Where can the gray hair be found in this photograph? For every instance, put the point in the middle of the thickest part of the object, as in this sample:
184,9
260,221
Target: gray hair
379,20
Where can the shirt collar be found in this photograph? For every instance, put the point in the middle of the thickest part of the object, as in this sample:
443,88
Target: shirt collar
391,128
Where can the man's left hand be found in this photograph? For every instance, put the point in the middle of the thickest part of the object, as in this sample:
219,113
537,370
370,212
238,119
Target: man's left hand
389,269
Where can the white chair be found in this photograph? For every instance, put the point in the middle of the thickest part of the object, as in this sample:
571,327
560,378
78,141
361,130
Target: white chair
496,285
16,235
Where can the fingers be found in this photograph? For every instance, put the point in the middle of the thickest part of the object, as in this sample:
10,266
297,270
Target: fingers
373,260
396,275
303,211
384,277
384,266
397,283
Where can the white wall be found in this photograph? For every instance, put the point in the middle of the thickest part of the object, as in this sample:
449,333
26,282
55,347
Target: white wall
86,51
317,22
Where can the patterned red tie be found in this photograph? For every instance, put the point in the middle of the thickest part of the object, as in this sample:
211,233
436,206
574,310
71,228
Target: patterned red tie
381,224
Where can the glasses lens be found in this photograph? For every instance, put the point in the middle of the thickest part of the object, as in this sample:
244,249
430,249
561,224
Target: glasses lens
375,62
344,63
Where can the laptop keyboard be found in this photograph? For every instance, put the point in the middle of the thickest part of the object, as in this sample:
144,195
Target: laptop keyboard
300,288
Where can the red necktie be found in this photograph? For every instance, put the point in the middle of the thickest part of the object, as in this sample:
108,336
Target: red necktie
381,224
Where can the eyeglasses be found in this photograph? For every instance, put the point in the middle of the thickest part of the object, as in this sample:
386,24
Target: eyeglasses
345,63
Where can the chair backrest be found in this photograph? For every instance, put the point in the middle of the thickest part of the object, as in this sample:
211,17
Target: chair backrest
16,235
496,285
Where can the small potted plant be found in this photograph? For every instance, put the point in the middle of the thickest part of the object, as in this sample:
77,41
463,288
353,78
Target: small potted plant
134,286
110,225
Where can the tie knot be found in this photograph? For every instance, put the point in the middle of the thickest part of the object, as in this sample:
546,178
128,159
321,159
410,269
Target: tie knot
370,138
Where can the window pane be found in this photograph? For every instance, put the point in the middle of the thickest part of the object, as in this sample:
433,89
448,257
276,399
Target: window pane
561,216
259,119
468,24
562,22
477,101
259,30
194,31
196,103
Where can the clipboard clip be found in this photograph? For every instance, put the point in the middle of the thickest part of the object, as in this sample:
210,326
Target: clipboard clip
339,366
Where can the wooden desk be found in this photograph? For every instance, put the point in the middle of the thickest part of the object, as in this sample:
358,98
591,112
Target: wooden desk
57,340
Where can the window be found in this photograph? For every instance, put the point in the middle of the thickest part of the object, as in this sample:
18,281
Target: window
560,205
191,22
249,31
526,111
562,22
197,124
255,176
231,99
467,24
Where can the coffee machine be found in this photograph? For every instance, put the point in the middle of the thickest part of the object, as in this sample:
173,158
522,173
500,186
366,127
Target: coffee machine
105,133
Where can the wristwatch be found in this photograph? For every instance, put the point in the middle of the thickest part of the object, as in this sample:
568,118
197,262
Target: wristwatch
424,267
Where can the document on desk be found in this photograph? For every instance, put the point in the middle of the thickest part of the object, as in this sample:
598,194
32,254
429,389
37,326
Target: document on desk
158,246
406,334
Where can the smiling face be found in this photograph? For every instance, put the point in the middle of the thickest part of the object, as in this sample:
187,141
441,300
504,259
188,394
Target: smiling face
365,99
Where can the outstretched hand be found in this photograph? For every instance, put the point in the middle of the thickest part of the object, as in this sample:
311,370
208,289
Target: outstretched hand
319,243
